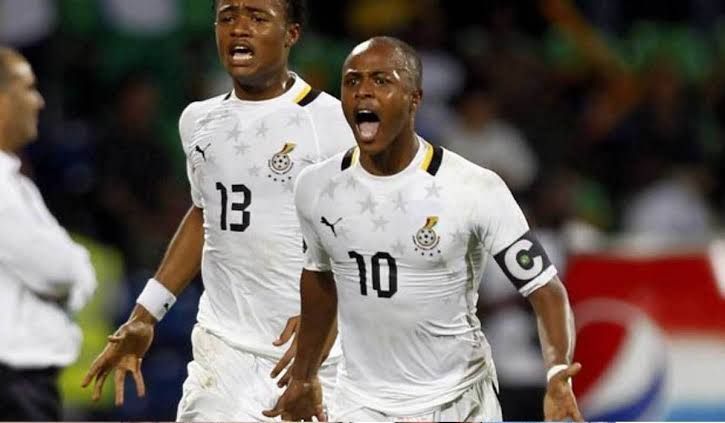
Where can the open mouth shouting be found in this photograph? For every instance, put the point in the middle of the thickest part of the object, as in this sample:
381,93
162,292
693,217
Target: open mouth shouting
368,123
241,54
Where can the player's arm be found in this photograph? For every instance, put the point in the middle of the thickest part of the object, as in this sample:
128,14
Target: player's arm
127,346
303,397
557,336
290,330
522,258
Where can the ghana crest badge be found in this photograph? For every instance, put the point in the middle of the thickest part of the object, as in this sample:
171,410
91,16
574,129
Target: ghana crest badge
427,239
281,163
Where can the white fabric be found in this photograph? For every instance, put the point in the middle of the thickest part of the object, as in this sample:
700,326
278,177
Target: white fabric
45,277
478,403
553,370
497,146
228,384
422,346
251,274
156,299
672,209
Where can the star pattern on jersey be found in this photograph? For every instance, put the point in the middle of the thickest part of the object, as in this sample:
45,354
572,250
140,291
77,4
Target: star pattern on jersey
400,203
240,149
380,223
234,133
398,248
433,190
368,205
295,120
351,183
330,189
262,130
459,237
254,170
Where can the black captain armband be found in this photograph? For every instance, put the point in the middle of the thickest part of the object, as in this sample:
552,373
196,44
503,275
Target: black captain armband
524,260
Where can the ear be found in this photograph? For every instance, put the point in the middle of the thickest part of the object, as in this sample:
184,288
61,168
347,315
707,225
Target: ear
416,98
293,35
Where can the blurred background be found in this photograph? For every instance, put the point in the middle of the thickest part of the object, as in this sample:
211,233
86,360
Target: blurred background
605,117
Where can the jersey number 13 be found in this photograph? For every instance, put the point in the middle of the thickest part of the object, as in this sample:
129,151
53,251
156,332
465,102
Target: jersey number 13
237,207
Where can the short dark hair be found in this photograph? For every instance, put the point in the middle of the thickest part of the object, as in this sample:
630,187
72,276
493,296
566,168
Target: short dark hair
296,11
408,53
8,56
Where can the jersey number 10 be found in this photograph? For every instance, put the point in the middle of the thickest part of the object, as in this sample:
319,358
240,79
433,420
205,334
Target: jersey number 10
392,273
242,207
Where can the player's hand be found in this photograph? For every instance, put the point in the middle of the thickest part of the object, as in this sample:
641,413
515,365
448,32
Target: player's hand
124,352
559,401
288,332
302,400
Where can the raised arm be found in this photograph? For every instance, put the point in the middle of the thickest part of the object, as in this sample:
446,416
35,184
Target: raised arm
303,397
557,337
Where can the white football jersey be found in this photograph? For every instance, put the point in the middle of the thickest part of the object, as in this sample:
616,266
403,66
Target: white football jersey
407,252
243,158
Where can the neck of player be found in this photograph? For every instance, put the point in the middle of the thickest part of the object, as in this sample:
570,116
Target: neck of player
396,157
7,142
264,87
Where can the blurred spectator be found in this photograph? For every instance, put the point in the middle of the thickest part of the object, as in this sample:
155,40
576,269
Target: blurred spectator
143,16
667,171
478,133
444,73
672,209
137,188
45,277
25,22
366,18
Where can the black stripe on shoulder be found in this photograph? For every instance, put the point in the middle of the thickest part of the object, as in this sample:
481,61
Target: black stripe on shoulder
310,97
347,159
435,161
228,96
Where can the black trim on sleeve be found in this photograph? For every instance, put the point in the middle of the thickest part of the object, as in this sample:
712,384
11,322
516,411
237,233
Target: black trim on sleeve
347,159
309,97
435,162
228,96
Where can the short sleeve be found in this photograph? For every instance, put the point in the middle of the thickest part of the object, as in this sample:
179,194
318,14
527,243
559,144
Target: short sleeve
334,132
507,237
316,258
186,131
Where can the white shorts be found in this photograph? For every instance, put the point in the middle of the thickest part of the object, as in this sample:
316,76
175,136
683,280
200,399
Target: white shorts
477,403
228,384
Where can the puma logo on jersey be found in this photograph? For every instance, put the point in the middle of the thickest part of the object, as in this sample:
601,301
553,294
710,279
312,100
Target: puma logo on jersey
202,151
325,222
